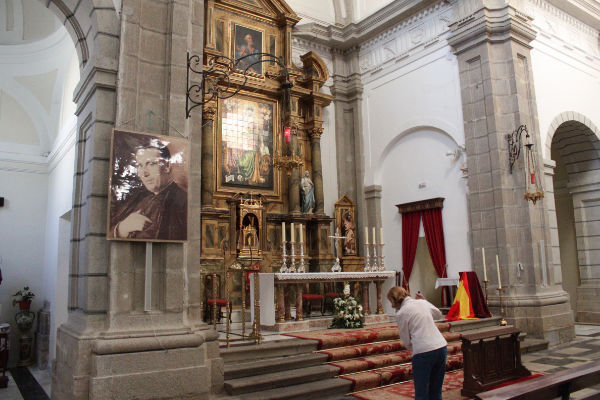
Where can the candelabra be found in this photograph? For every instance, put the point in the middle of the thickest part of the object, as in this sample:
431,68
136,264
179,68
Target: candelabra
367,258
301,264
485,283
292,267
284,267
503,321
381,257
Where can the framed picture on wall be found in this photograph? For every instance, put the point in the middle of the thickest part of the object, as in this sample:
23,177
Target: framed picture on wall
148,188
247,45
246,143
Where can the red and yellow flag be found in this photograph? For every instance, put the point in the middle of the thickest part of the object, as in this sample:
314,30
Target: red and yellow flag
462,308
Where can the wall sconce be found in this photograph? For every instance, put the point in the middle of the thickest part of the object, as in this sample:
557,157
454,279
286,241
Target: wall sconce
455,154
534,190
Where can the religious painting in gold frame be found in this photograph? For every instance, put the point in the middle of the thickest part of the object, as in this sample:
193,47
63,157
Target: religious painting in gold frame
246,142
247,44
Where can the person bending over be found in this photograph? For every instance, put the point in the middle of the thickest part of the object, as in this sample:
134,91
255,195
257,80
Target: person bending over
419,333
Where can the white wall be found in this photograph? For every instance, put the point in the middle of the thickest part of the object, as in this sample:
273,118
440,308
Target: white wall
566,69
412,117
22,229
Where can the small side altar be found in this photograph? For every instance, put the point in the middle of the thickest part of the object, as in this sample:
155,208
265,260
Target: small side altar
274,287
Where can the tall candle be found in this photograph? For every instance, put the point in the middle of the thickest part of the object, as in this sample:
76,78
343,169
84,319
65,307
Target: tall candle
484,267
283,232
498,268
374,237
366,235
292,232
381,234
301,233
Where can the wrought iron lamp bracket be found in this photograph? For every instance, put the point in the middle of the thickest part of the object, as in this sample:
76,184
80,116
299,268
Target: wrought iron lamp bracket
224,77
514,144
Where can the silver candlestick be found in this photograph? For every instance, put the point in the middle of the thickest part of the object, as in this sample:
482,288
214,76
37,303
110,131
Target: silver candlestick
375,259
381,257
284,267
367,259
292,267
301,266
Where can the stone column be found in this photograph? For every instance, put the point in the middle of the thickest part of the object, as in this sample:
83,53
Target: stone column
317,169
373,208
491,42
209,113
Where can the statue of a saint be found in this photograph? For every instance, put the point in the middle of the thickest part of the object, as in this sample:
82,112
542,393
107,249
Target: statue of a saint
307,189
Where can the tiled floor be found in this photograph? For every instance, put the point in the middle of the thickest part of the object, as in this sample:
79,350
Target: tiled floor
585,348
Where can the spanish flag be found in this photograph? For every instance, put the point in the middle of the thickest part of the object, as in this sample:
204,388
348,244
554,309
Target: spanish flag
469,302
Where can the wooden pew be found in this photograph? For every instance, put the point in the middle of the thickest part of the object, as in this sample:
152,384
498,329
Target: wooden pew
558,385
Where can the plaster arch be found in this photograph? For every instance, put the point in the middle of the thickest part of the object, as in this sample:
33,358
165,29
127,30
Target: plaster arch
442,127
562,118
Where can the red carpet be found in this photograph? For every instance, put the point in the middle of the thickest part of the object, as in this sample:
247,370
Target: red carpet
382,360
393,374
329,338
453,382
342,353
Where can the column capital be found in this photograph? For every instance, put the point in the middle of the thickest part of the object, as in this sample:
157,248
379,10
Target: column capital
491,24
315,133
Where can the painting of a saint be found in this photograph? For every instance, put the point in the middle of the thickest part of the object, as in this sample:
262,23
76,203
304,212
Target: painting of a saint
247,46
148,188
247,143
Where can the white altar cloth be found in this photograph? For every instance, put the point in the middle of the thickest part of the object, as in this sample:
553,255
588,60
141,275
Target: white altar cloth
268,281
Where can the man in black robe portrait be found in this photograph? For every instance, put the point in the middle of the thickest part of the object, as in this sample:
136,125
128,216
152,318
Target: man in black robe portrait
156,210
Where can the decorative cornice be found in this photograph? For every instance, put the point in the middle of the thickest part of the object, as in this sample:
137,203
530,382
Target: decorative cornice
491,25
345,37
586,11
421,205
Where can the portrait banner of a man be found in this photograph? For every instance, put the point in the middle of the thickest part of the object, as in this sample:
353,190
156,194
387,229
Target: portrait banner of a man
148,189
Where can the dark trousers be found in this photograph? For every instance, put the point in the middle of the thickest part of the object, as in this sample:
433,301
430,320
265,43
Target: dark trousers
428,374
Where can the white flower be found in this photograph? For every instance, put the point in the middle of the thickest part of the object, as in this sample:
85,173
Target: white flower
341,314
359,308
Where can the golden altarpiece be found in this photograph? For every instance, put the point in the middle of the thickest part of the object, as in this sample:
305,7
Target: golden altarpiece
259,141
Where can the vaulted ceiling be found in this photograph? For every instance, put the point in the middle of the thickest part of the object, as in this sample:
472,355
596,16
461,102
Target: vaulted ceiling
39,70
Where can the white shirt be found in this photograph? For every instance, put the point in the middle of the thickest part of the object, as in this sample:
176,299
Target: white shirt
417,330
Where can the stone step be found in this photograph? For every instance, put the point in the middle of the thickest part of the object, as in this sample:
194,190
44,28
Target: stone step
326,389
251,368
530,345
279,379
275,348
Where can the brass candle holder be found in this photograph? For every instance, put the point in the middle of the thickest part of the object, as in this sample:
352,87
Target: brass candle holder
502,321
485,283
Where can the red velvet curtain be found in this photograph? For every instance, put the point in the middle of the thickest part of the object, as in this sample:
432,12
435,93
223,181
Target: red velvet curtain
434,235
410,236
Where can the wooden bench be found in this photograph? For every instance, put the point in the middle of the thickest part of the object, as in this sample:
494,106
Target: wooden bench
491,358
558,385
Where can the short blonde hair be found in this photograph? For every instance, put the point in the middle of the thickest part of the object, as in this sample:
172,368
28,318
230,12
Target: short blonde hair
396,295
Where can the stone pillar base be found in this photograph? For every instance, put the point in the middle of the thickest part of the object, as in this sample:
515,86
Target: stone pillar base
148,367
588,306
541,318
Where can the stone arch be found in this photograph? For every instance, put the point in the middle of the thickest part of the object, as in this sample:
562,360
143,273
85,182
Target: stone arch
565,117
408,128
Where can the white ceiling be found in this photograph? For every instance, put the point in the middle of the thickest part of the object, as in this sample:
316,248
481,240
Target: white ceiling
39,70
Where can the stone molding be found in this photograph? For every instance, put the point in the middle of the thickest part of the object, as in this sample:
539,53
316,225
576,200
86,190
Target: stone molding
127,345
565,117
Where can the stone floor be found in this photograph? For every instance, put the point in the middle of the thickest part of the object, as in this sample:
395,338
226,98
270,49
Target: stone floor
34,384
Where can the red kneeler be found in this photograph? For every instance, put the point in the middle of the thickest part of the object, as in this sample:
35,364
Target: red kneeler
309,299
209,301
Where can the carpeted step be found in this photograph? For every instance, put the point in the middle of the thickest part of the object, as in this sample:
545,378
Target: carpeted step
273,380
343,353
327,389
276,348
393,374
330,338
382,360
251,368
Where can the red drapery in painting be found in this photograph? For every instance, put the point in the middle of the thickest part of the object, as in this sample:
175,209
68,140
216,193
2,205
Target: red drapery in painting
410,236
434,235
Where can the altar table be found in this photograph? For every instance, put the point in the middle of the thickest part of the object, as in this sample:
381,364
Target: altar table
273,285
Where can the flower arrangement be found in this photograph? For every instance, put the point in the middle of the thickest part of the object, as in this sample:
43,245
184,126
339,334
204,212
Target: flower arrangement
23,298
348,313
